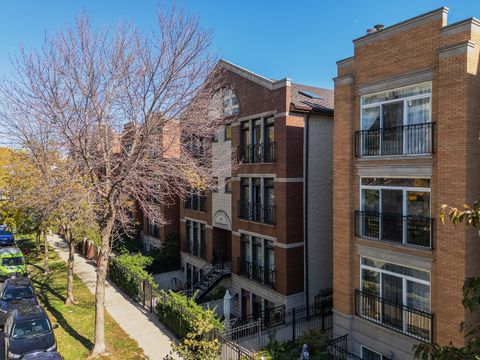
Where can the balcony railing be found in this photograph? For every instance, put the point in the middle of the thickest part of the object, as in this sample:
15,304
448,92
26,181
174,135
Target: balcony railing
396,228
195,202
256,212
256,272
393,315
414,139
196,248
256,153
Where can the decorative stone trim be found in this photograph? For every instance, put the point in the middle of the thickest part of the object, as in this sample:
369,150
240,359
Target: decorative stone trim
468,25
456,49
413,78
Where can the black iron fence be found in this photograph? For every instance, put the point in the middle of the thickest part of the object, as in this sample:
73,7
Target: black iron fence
396,316
256,272
256,212
417,139
409,230
256,153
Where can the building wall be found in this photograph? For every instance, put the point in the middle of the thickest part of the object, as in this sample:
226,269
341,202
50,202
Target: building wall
423,48
221,201
319,204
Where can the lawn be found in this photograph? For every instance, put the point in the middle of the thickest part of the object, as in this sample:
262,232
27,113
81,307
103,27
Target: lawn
76,323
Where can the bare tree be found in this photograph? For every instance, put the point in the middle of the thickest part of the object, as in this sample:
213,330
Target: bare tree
132,111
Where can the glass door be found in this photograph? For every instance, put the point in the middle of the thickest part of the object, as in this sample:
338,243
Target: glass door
256,198
392,294
392,215
418,218
392,140
371,210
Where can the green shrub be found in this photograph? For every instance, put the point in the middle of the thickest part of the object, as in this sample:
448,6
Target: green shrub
182,315
129,271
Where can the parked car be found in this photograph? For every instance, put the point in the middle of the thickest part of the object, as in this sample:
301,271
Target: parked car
27,330
43,355
6,238
12,262
15,292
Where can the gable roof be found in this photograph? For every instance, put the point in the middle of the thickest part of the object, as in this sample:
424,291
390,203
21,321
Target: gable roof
300,101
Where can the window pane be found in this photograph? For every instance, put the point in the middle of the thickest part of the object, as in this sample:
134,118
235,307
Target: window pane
418,297
392,293
425,183
418,111
228,132
371,281
403,270
371,118
368,354
418,89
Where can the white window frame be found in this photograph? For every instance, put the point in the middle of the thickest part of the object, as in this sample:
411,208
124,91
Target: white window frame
404,189
405,117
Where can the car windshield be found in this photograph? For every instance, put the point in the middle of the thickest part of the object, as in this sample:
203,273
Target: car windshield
30,328
18,293
13,261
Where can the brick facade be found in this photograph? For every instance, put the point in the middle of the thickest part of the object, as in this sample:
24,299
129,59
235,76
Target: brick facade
423,45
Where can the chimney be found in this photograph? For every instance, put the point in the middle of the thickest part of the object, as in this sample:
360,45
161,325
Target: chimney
371,31
379,27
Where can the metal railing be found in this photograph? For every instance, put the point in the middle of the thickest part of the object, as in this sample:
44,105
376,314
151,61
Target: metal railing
256,153
256,212
396,316
396,228
417,139
256,272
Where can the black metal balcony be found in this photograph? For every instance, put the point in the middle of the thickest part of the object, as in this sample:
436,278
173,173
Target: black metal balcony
396,228
256,212
417,139
393,315
256,272
256,153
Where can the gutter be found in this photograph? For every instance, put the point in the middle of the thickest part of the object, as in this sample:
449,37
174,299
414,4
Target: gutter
305,211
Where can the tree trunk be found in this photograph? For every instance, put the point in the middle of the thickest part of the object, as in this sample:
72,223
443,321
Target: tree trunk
100,346
37,240
46,269
71,259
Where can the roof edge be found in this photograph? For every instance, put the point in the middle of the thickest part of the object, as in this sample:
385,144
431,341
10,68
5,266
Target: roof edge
403,25
259,79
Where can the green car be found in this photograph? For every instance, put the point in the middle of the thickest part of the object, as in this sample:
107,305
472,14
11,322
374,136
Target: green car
12,262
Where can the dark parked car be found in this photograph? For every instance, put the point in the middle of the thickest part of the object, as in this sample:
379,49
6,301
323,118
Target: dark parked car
6,238
27,330
43,355
15,292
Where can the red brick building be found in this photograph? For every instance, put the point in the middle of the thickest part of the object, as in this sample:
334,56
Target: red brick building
407,121
253,224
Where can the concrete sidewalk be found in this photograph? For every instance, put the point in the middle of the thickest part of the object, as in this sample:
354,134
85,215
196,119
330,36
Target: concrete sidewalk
138,323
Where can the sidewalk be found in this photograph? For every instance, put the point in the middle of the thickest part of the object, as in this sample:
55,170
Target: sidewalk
138,323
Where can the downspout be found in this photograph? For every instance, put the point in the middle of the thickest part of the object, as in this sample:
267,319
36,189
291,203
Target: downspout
305,210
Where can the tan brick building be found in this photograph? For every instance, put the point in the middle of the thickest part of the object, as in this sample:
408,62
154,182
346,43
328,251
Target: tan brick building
406,140
253,223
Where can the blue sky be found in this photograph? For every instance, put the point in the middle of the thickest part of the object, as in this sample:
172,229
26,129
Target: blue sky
299,39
